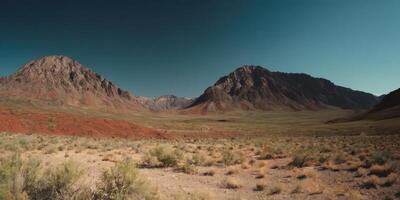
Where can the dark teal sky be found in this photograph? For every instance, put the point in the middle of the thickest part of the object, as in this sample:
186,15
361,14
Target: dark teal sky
182,46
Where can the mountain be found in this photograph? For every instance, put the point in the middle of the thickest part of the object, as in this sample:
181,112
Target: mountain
166,102
388,107
254,87
61,80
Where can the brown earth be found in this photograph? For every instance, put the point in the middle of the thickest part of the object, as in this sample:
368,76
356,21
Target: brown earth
58,123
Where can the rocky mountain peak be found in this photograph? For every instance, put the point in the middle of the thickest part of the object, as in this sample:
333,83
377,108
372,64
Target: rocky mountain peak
63,80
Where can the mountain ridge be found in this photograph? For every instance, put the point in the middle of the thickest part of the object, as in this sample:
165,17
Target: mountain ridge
254,87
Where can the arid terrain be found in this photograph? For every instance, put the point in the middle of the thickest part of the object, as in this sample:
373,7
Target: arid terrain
68,133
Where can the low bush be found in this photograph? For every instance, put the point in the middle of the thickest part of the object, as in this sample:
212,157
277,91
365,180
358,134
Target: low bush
123,182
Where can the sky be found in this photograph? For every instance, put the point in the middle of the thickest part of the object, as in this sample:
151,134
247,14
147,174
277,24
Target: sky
181,47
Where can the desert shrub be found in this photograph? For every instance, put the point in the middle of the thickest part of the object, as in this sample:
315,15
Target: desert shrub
232,170
56,183
162,156
11,182
198,159
187,168
381,157
231,183
210,172
339,158
276,189
260,186
380,170
123,182
299,160
297,189
371,182
231,158
390,180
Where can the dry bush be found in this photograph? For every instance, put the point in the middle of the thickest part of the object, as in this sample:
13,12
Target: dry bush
260,186
231,158
55,183
261,172
11,182
275,189
381,157
198,159
361,172
371,182
186,167
297,189
380,170
233,170
299,160
210,172
390,180
231,183
123,182
162,156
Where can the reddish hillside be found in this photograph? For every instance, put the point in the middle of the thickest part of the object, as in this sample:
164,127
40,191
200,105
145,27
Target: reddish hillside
35,121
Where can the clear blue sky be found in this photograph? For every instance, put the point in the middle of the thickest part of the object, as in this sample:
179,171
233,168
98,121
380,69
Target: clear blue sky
181,47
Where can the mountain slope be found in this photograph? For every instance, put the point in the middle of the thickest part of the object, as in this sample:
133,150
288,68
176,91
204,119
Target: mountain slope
388,107
253,87
166,102
61,80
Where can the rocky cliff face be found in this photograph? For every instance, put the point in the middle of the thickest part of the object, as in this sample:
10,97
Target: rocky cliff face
253,87
64,81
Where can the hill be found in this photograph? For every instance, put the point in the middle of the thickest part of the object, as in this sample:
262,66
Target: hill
254,87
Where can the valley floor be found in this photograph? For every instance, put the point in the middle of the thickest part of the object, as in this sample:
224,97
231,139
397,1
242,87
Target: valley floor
273,167
237,155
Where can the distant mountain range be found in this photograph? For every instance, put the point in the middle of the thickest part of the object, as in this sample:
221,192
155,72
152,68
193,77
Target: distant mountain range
63,81
166,102
254,87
